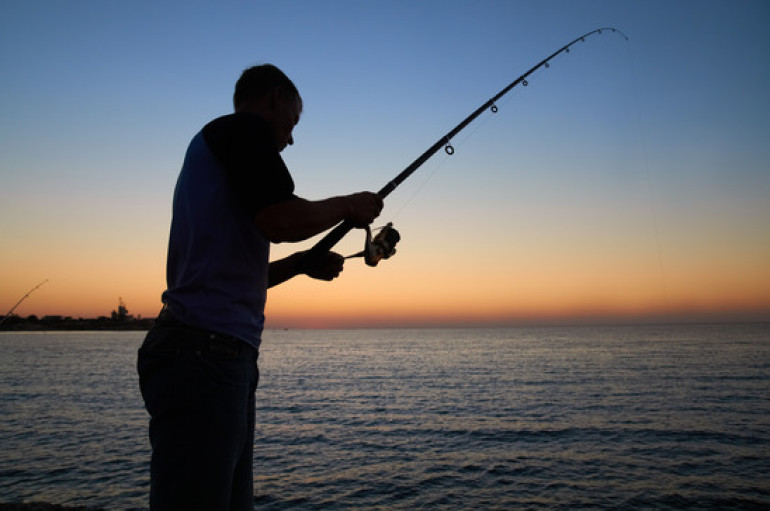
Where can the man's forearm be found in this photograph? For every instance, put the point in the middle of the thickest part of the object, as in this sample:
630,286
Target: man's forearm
283,269
298,219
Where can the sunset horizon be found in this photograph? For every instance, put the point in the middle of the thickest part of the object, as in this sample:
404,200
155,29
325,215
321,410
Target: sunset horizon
627,181
282,315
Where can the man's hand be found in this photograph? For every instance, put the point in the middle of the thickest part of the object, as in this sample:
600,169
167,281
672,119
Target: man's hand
326,267
363,208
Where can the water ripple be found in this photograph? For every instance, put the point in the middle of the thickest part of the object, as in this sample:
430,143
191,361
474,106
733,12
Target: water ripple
587,418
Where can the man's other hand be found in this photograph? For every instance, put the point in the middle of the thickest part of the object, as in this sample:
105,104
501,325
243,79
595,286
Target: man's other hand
326,267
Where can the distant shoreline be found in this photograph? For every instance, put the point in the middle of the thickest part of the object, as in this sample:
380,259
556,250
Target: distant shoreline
65,324
56,324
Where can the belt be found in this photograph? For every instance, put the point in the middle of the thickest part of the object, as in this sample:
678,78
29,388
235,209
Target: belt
197,339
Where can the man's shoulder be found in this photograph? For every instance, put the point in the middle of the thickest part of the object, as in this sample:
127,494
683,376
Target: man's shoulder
237,131
236,122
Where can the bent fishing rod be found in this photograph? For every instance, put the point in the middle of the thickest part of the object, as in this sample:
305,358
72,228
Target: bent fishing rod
8,314
383,246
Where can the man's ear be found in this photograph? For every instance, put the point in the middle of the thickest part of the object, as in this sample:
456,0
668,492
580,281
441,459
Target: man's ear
275,98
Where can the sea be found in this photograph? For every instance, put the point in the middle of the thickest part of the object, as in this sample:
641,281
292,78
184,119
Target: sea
607,417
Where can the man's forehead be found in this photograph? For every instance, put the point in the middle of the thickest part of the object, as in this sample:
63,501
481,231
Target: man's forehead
297,104
296,109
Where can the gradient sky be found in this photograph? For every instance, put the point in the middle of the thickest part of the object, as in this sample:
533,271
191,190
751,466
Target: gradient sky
629,180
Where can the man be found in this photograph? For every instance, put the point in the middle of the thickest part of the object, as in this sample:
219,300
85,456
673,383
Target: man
197,366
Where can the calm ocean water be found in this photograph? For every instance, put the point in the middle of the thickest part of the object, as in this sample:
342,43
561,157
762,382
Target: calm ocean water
646,417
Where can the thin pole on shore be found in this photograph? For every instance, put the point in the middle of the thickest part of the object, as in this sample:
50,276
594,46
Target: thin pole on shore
21,300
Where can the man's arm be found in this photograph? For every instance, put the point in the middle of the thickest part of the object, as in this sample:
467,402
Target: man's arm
298,219
327,267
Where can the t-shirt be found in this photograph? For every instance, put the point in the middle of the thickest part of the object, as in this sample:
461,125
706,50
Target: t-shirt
217,258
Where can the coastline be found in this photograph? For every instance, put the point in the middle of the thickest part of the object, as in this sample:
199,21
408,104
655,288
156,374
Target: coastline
57,323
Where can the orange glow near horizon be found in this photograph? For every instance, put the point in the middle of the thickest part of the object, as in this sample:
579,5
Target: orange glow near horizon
533,283
594,194
307,304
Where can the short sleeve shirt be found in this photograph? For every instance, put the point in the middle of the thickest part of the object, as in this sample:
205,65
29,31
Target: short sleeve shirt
217,258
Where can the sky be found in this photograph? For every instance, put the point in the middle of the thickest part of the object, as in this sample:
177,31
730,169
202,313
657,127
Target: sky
629,181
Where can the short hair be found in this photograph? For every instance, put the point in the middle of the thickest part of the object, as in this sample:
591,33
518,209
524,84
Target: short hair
259,80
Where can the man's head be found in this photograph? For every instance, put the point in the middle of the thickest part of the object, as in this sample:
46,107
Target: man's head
267,91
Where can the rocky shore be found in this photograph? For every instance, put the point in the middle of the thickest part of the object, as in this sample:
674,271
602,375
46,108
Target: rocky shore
44,506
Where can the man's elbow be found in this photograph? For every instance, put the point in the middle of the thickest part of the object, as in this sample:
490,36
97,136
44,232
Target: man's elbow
278,223
273,233
278,230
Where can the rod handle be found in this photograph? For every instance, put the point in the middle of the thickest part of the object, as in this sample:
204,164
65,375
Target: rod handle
325,244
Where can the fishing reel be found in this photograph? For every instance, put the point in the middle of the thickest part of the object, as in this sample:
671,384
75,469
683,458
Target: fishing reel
382,246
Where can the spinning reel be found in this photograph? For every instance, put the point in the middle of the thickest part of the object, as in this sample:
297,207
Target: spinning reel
382,246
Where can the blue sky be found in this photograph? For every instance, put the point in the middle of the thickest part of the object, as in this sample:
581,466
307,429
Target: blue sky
648,156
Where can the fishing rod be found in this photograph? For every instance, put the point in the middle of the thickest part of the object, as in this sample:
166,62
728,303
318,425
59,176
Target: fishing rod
383,245
21,300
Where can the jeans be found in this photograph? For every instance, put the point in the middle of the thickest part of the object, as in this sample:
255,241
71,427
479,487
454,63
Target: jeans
199,391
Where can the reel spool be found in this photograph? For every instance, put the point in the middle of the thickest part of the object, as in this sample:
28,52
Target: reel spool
382,246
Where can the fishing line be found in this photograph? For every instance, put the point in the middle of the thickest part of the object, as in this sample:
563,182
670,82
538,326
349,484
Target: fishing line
445,142
494,109
650,188
439,163
442,161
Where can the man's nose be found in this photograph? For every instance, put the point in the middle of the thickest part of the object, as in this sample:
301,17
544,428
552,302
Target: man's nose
291,140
